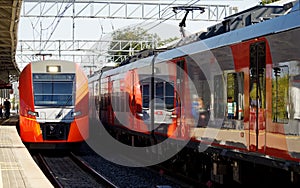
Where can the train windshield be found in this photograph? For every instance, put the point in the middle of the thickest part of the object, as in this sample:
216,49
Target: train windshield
53,89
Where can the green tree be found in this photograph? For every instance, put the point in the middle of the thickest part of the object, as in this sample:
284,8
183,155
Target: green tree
167,41
125,42
263,2
130,40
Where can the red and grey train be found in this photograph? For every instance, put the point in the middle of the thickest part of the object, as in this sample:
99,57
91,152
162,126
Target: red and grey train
245,70
53,104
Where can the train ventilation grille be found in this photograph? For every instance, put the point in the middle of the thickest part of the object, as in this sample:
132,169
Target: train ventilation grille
55,131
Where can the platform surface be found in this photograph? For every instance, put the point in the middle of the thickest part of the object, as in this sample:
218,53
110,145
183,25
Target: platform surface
17,168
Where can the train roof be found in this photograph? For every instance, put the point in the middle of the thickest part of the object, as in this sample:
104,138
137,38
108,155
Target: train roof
243,19
248,17
288,20
235,27
106,67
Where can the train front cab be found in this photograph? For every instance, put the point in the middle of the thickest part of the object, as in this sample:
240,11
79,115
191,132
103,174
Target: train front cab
52,122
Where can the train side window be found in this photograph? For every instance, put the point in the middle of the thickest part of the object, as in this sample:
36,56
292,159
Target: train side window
146,95
126,102
294,103
159,102
280,94
169,95
159,90
105,101
219,106
235,96
122,102
104,107
104,90
115,102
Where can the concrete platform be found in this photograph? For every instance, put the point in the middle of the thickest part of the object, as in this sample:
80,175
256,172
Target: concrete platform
17,168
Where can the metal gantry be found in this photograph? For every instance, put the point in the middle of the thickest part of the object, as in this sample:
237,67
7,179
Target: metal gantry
81,51
119,10
91,52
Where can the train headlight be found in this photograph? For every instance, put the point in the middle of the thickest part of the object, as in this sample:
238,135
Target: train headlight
33,113
53,68
78,113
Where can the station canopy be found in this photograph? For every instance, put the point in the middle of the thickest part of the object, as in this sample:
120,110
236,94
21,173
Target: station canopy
9,20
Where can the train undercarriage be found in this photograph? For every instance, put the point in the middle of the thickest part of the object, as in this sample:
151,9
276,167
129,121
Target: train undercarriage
216,167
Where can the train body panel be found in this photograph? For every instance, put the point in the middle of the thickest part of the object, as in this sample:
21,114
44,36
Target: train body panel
53,103
246,80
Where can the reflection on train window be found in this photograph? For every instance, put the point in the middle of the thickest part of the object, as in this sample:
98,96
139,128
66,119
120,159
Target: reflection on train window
258,76
164,95
294,105
235,96
219,106
105,103
280,94
169,95
53,90
104,90
114,102
122,98
159,89
146,95
115,98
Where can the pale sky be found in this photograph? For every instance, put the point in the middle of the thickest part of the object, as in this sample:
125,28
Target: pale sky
93,29
100,29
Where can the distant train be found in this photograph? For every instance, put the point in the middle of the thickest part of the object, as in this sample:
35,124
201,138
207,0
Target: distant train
53,104
242,77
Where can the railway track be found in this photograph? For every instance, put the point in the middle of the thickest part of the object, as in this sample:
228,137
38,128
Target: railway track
67,170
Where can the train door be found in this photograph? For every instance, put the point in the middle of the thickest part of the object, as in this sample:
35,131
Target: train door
257,96
110,114
180,89
174,95
136,103
163,93
134,99
130,97
103,100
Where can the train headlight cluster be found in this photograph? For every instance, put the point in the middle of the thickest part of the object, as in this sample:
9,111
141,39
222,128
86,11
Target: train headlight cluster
78,113
33,113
